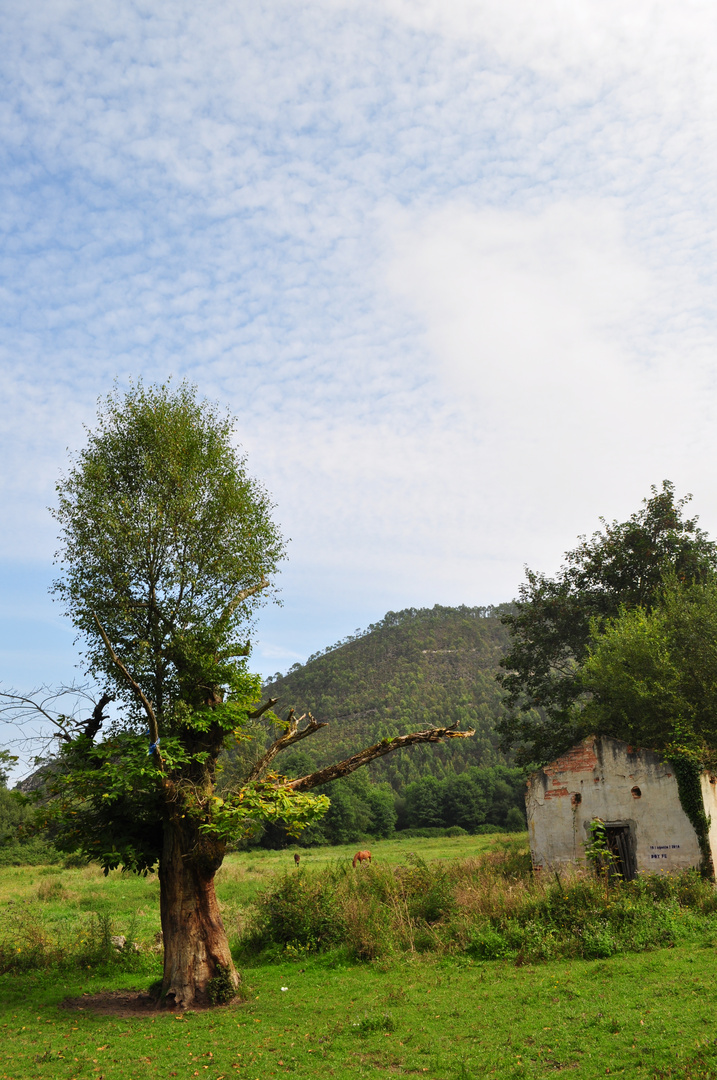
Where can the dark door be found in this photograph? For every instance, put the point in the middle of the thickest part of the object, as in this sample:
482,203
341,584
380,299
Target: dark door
620,843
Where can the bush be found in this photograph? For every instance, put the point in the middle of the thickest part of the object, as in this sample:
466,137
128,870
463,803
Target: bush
301,911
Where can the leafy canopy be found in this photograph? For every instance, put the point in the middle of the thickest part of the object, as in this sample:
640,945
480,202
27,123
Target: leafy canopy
652,675
166,543
621,567
166,548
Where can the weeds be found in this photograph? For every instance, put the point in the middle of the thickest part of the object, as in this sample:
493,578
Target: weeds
29,941
488,908
370,1025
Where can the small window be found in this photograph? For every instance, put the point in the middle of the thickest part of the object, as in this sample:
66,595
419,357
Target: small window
636,793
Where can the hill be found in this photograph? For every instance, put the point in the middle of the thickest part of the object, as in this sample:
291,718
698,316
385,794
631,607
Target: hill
414,669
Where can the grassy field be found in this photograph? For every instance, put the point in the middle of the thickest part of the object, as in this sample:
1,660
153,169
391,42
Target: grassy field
67,901
649,1014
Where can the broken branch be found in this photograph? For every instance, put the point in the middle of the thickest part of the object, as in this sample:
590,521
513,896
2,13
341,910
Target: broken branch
293,735
94,721
241,597
386,746
262,709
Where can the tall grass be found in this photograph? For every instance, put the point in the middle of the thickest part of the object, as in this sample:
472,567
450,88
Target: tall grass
31,942
490,907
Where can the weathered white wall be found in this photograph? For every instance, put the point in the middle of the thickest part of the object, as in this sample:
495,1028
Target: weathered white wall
595,780
709,798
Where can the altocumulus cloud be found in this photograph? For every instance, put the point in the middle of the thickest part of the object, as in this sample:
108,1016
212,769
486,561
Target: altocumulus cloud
452,263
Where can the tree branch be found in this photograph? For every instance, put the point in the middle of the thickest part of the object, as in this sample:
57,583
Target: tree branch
94,721
291,736
262,709
386,746
153,728
241,597
26,703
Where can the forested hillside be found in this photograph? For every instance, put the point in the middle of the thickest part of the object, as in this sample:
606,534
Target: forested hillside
414,669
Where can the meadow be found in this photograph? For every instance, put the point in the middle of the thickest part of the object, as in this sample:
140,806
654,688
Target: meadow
453,1008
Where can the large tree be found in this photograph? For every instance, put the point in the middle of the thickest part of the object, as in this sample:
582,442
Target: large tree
622,566
167,546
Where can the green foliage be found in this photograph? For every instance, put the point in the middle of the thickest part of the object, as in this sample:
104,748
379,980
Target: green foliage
221,989
370,1024
653,679
162,531
473,798
7,760
29,943
597,850
20,845
302,910
623,567
688,772
652,674
489,909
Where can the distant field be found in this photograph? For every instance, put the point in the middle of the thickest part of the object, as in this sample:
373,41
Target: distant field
649,1014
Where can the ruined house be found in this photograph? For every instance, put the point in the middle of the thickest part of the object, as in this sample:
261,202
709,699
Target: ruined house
633,792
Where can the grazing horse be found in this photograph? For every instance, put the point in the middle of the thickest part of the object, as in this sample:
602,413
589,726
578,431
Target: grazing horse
297,858
362,857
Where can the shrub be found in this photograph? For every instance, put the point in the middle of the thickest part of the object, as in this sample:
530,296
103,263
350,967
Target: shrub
301,911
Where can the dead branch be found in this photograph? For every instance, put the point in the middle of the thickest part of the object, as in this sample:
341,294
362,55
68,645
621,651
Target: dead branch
96,718
23,708
153,728
291,735
386,746
262,709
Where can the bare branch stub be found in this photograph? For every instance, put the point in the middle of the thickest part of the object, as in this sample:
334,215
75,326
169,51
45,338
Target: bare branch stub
386,746
291,736
95,720
262,709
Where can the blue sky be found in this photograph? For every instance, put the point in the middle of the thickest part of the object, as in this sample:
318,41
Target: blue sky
450,263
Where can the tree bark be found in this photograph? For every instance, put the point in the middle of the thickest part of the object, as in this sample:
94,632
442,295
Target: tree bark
196,948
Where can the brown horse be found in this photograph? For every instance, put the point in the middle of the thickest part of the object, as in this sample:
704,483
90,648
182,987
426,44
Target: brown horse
297,858
362,857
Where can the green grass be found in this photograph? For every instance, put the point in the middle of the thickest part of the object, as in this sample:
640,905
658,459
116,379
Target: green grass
647,1014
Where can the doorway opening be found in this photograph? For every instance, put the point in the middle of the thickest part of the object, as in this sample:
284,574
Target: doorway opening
622,849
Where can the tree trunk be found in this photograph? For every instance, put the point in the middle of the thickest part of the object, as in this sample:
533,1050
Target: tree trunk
196,949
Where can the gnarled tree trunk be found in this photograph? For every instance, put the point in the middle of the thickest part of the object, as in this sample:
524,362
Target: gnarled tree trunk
196,949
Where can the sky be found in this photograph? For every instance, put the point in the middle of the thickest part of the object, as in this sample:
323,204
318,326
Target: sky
451,264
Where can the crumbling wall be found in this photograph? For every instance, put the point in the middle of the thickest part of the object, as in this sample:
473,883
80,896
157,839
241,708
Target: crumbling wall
607,779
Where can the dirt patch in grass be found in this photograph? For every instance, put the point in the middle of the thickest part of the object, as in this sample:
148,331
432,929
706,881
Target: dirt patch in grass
123,1003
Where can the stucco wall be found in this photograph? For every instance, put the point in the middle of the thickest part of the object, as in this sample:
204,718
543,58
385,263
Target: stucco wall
709,798
596,780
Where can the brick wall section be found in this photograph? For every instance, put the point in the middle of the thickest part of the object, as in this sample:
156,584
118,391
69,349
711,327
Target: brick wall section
582,758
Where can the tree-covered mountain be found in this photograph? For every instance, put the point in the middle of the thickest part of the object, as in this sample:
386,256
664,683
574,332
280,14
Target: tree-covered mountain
415,669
